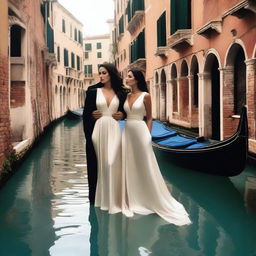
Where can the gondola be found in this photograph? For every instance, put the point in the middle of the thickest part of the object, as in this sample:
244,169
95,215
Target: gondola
225,158
75,114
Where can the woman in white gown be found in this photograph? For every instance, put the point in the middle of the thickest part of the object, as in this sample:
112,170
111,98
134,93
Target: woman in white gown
106,138
145,191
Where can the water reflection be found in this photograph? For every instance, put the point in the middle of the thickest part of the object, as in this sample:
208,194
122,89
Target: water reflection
142,235
250,194
45,210
222,224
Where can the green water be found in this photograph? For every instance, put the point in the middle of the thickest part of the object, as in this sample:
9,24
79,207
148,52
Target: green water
44,209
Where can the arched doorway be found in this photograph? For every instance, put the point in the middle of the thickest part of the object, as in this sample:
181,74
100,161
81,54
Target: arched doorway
157,96
163,96
174,90
184,91
18,103
212,97
235,88
194,70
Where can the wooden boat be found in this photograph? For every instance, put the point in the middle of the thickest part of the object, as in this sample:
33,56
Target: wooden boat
75,114
225,158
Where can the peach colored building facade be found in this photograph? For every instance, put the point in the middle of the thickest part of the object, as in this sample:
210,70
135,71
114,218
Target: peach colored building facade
199,58
97,49
68,74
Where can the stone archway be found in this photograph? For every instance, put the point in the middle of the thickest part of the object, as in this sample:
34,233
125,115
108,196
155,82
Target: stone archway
194,92
157,96
163,99
184,92
211,95
234,91
18,103
174,91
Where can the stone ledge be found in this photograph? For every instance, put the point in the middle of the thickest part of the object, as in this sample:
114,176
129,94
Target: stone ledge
161,51
135,21
211,27
181,38
241,9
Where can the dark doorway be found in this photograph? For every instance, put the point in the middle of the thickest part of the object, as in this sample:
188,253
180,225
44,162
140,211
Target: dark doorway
215,82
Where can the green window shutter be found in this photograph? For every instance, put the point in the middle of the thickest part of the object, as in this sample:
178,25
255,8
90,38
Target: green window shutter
90,69
129,11
173,17
63,26
88,47
66,62
99,46
72,60
161,30
180,15
85,69
99,55
58,54
141,45
75,34
50,38
78,62
121,25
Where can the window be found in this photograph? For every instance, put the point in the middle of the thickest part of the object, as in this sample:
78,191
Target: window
58,54
137,47
72,60
63,26
66,62
86,55
180,15
121,25
78,62
88,47
161,30
99,46
88,70
75,34
16,36
99,55
133,6
80,37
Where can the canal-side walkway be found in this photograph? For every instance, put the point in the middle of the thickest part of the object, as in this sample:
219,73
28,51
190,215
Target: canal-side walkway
44,209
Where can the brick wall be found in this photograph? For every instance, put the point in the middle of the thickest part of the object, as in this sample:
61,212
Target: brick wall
5,138
17,94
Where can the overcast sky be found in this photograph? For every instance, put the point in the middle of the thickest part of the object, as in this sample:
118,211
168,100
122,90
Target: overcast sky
92,13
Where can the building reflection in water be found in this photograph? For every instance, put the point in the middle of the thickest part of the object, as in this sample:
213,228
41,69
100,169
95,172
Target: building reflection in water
45,209
250,194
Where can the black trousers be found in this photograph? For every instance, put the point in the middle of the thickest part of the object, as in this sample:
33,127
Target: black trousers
91,169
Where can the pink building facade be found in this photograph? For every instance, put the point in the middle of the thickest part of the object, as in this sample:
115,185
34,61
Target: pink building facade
26,64
199,58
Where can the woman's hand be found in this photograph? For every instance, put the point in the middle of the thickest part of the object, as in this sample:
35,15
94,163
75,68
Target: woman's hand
118,115
96,114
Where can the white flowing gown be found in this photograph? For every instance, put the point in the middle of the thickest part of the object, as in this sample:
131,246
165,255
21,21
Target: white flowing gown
144,189
106,139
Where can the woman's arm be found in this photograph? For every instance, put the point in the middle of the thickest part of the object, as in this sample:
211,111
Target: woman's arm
148,107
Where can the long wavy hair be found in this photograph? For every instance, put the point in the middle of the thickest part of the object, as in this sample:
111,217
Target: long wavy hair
139,77
116,80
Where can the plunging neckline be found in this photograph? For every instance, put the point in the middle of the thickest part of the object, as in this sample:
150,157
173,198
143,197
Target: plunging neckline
106,99
130,107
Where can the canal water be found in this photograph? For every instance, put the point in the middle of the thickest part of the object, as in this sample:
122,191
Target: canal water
44,209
